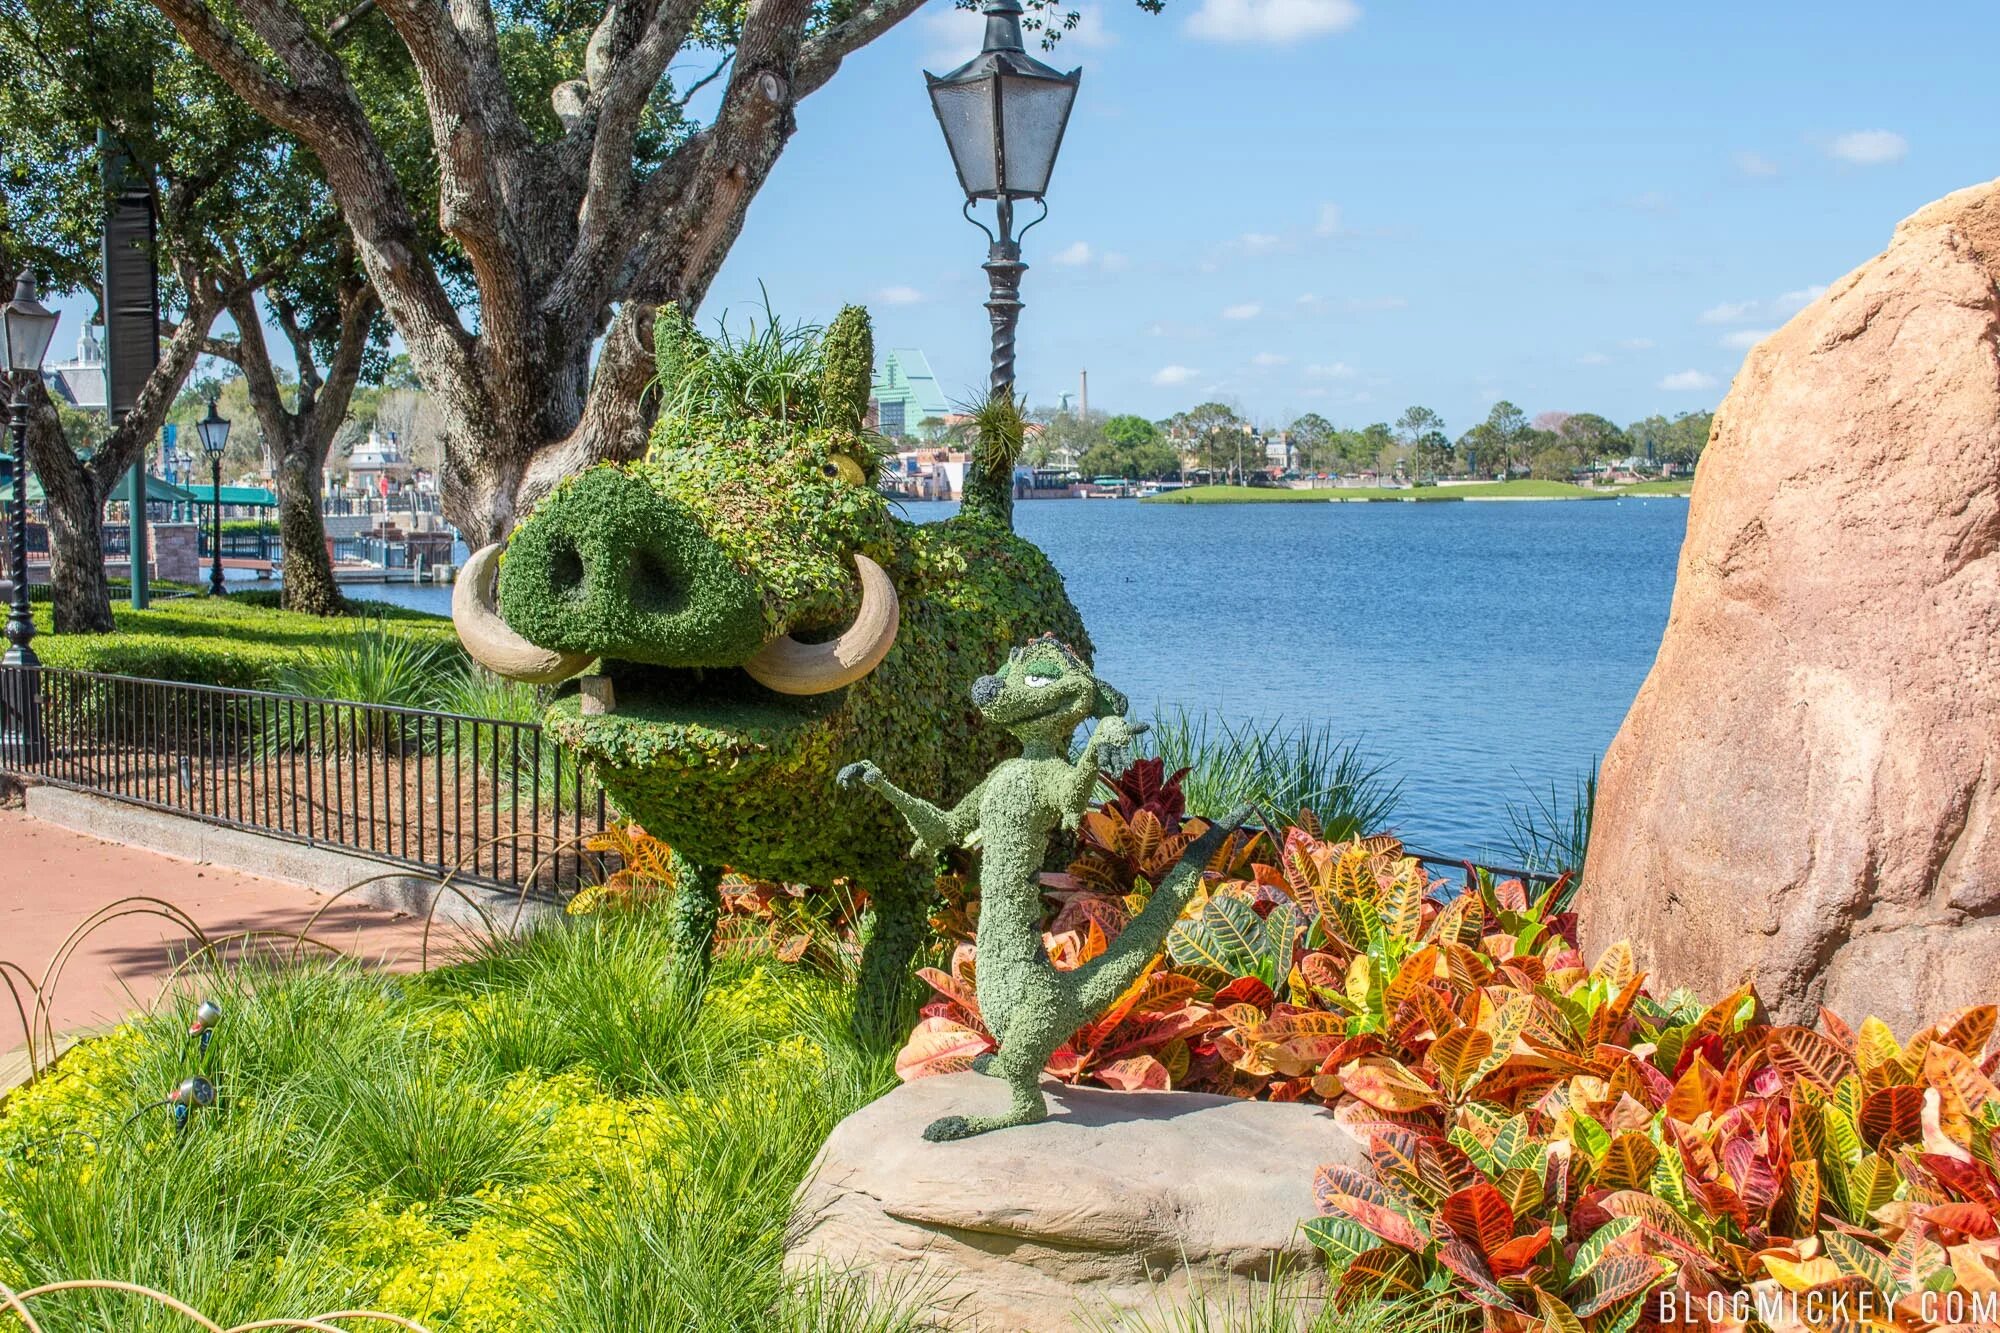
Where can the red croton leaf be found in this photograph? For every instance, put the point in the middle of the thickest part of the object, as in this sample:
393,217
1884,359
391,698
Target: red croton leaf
1343,1191
1892,1115
1518,1254
1245,990
1479,1216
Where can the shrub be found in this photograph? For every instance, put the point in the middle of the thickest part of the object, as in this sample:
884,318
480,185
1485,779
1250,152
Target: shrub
1275,768
240,641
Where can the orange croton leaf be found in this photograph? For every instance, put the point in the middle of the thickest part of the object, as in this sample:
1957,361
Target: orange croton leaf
1386,1085
940,1046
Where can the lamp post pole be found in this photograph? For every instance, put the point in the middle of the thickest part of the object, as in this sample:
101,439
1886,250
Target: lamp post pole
26,326
215,529
20,615
1003,305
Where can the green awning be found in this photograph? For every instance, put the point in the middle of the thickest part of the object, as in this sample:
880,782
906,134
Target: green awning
161,491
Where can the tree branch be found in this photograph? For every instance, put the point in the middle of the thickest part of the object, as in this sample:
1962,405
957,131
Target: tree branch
472,207
821,58
322,109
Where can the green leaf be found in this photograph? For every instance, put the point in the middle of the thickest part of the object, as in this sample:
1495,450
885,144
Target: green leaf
1228,936
1341,1238
1592,1250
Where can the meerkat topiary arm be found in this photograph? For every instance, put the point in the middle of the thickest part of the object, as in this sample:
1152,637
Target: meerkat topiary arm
936,828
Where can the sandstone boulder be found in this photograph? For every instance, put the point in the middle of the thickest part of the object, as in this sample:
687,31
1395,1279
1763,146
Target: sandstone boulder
1118,1203
1803,793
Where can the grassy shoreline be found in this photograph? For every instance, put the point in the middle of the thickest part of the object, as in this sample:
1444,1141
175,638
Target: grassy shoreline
1489,493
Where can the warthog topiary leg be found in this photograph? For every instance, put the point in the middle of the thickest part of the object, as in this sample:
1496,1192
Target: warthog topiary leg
697,904
900,918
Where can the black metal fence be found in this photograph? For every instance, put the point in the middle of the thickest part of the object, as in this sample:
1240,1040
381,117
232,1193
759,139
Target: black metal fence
487,801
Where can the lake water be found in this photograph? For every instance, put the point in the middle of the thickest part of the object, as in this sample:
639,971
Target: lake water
1480,651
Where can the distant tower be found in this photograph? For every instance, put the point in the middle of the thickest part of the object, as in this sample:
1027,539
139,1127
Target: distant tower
1083,395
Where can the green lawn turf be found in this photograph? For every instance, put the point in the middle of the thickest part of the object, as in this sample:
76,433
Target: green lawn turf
238,641
554,1135
1673,486
1525,489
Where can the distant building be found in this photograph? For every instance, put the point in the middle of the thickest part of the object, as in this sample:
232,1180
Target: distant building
905,394
80,381
377,465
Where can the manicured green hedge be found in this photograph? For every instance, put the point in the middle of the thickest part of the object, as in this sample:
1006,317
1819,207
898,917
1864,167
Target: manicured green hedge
239,641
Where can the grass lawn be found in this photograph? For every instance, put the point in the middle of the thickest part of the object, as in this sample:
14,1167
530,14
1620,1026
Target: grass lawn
547,1136
1672,486
241,640
1525,489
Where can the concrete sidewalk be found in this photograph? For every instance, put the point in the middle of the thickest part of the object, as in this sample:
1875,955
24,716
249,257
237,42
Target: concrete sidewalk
52,878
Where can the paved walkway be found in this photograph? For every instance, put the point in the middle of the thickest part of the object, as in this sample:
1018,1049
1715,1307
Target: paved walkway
52,878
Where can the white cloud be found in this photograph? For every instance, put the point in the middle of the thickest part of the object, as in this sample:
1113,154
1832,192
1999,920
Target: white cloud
1593,359
1688,380
1729,312
1793,302
1329,221
1089,32
1308,301
1332,370
1756,166
1242,310
1168,376
899,296
1269,359
1077,253
1743,339
1869,148
1274,21
953,36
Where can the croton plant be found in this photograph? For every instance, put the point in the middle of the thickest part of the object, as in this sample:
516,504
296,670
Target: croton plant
1550,1144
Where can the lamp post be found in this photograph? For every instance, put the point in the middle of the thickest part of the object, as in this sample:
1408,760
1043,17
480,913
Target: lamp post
26,326
1003,113
214,432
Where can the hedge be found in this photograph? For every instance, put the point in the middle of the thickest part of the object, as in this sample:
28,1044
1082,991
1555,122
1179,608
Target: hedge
237,641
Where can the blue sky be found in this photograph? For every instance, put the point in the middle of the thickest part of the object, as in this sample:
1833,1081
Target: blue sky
1349,206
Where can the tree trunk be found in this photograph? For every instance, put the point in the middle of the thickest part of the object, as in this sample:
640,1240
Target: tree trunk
80,594
309,584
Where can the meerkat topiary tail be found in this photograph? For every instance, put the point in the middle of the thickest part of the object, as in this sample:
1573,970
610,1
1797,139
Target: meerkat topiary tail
1039,696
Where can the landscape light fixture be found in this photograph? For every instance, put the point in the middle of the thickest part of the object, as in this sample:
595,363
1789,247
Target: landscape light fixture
1003,113
214,432
26,329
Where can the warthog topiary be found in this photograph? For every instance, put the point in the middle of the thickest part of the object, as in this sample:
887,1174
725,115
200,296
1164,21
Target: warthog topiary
763,620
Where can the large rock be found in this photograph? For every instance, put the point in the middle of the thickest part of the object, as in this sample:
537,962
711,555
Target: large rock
1803,793
1119,1202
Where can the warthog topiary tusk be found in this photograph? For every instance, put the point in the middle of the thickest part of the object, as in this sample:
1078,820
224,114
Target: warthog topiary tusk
790,667
490,640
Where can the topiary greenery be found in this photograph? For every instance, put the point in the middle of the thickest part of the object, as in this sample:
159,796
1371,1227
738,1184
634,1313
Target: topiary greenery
740,526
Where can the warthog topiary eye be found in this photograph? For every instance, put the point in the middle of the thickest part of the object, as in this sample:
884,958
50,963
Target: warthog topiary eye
844,469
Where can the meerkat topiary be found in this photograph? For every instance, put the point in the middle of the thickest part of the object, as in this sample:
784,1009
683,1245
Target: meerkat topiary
1040,696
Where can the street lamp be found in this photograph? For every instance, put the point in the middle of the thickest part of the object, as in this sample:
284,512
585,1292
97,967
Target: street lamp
1003,114
214,432
26,327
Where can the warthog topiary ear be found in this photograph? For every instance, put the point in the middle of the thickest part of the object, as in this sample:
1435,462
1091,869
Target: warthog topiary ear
847,369
680,357
1110,702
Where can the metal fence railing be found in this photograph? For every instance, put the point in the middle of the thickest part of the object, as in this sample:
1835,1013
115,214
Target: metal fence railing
489,801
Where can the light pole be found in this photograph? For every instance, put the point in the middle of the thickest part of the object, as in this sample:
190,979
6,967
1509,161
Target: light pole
214,432
1003,114
26,326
